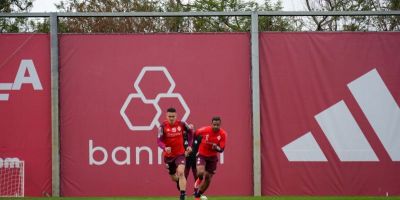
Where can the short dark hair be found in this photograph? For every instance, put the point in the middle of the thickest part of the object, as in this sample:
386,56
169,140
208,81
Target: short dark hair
171,109
216,118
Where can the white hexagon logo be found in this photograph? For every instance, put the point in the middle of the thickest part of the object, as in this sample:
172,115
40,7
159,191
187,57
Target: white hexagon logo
130,124
181,100
153,69
169,94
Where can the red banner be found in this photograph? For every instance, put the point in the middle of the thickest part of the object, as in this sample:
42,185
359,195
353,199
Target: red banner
114,93
330,113
25,119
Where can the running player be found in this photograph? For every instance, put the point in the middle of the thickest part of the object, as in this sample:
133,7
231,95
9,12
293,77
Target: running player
171,138
213,140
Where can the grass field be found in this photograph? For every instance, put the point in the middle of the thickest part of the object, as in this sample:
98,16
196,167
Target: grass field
213,198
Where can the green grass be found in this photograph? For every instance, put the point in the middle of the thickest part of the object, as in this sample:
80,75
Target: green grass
214,198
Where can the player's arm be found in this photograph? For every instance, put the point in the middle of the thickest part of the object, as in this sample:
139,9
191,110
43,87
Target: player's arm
220,147
160,138
190,132
197,138
187,137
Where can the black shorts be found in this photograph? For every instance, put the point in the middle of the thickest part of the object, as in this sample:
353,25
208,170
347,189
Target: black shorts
191,165
171,163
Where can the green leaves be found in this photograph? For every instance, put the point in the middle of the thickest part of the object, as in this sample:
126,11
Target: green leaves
14,25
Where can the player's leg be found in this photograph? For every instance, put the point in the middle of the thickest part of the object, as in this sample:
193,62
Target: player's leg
194,168
180,173
170,165
200,168
191,165
206,182
203,186
174,177
187,168
210,168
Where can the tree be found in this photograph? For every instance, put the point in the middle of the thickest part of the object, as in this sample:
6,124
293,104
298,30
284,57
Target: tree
14,24
240,24
167,24
388,23
108,24
354,23
278,23
222,23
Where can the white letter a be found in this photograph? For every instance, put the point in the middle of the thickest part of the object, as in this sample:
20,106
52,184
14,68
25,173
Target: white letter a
33,77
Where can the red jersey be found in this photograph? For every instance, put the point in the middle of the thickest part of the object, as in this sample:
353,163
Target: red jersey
209,137
174,136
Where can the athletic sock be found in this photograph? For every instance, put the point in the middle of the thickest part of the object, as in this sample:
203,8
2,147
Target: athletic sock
183,195
198,193
197,183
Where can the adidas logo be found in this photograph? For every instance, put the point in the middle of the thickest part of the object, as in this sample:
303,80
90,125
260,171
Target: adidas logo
343,132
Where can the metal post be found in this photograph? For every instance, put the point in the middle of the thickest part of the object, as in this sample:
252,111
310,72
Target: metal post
255,85
54,105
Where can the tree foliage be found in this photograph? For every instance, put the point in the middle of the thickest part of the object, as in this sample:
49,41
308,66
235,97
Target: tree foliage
169,24
14,24
202,24
354,23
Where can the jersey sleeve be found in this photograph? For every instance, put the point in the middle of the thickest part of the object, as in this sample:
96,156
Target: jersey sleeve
222,142
200,131
160,138
189,132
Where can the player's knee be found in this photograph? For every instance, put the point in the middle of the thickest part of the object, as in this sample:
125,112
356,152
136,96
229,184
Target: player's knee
207,176
174,178
180,172
200,173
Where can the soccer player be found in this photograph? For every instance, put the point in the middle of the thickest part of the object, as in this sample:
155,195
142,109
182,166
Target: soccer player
171,138
213,140
191,160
